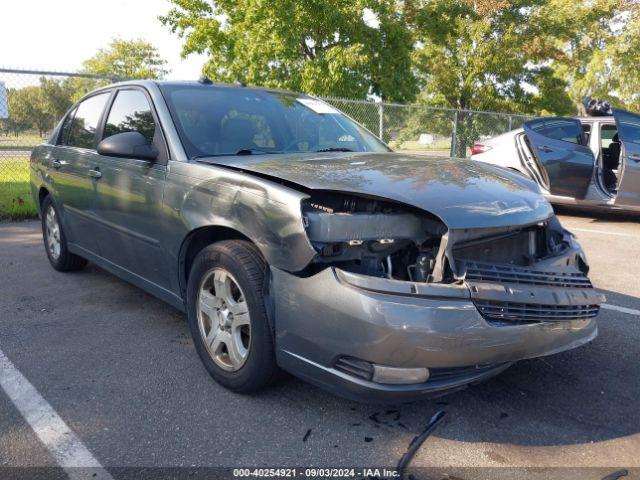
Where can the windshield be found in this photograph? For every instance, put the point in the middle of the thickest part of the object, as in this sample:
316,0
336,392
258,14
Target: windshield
213,121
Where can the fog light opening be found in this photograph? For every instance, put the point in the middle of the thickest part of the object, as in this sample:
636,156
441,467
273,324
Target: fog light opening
399,376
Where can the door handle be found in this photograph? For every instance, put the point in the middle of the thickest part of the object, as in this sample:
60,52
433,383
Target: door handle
545,149
635,157
56,163
95,173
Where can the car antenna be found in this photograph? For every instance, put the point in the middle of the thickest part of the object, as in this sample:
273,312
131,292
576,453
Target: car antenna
205,80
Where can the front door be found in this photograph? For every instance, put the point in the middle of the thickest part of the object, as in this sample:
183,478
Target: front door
70,165
629,133
129,193
562,155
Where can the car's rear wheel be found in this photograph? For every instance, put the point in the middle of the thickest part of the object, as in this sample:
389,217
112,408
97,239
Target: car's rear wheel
55,241
227,316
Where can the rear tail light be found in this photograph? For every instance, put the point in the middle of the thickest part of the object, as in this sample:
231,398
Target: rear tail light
479,148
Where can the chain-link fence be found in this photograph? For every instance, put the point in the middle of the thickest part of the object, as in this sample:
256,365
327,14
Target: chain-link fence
31,102
426,130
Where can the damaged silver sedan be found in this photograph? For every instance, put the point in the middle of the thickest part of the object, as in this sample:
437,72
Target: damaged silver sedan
295,240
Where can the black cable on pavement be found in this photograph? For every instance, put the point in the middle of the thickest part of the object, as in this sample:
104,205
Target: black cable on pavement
417,442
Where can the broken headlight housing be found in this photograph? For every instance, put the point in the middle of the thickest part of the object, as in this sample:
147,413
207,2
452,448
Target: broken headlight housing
372,236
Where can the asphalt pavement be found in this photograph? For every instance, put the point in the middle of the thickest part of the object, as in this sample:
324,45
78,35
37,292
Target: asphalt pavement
118,367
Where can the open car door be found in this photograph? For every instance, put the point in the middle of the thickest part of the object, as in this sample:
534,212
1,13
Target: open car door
629,133
562,155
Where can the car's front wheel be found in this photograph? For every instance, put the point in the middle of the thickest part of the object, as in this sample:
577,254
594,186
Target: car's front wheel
227,316
55,240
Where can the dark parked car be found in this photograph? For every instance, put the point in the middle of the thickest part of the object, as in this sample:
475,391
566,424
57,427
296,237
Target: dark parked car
294,239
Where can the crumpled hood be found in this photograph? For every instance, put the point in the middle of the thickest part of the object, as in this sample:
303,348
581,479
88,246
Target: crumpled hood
462,193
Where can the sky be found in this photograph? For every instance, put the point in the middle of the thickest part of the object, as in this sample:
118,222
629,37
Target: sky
59,35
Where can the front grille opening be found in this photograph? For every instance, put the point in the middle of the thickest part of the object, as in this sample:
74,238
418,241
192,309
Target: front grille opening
453,373
485,272
508,312
522,247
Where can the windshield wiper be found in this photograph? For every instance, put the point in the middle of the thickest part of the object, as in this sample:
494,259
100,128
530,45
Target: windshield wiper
251,151
335,149
242,151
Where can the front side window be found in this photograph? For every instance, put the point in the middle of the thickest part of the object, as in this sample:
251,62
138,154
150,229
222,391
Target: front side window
85,122
130,112
215,120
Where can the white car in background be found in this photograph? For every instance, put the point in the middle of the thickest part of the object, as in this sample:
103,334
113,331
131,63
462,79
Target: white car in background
588,162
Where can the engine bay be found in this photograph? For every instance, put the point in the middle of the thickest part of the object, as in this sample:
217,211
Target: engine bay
384,239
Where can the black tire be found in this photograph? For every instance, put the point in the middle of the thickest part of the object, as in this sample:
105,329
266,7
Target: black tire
245,263
65,260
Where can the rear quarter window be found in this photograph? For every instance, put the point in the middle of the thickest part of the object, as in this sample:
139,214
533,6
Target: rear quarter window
63,137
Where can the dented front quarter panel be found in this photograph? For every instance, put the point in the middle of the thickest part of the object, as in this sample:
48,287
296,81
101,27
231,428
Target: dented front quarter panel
267,213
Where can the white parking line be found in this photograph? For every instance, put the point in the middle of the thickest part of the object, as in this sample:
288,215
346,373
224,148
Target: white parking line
603,232
630,311
64,445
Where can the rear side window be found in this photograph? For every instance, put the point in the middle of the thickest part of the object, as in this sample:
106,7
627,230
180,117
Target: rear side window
565,129
85,122
130,112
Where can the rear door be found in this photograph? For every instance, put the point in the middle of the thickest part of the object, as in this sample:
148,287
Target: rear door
70,170
129,192
629,133
563,156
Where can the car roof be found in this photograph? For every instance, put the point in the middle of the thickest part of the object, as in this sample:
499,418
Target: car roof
196,83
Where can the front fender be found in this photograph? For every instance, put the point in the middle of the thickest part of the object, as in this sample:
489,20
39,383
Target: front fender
263,211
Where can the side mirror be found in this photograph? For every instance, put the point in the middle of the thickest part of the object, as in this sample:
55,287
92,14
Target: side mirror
128,145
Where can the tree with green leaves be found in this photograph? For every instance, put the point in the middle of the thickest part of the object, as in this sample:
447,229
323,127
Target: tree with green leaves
625,65
488,55
20,118
58,96
588,33
127,59
615,69
29,109
501,55
350,48
38,107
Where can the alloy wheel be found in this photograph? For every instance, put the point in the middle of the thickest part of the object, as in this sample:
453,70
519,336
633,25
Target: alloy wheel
53,232
223,319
